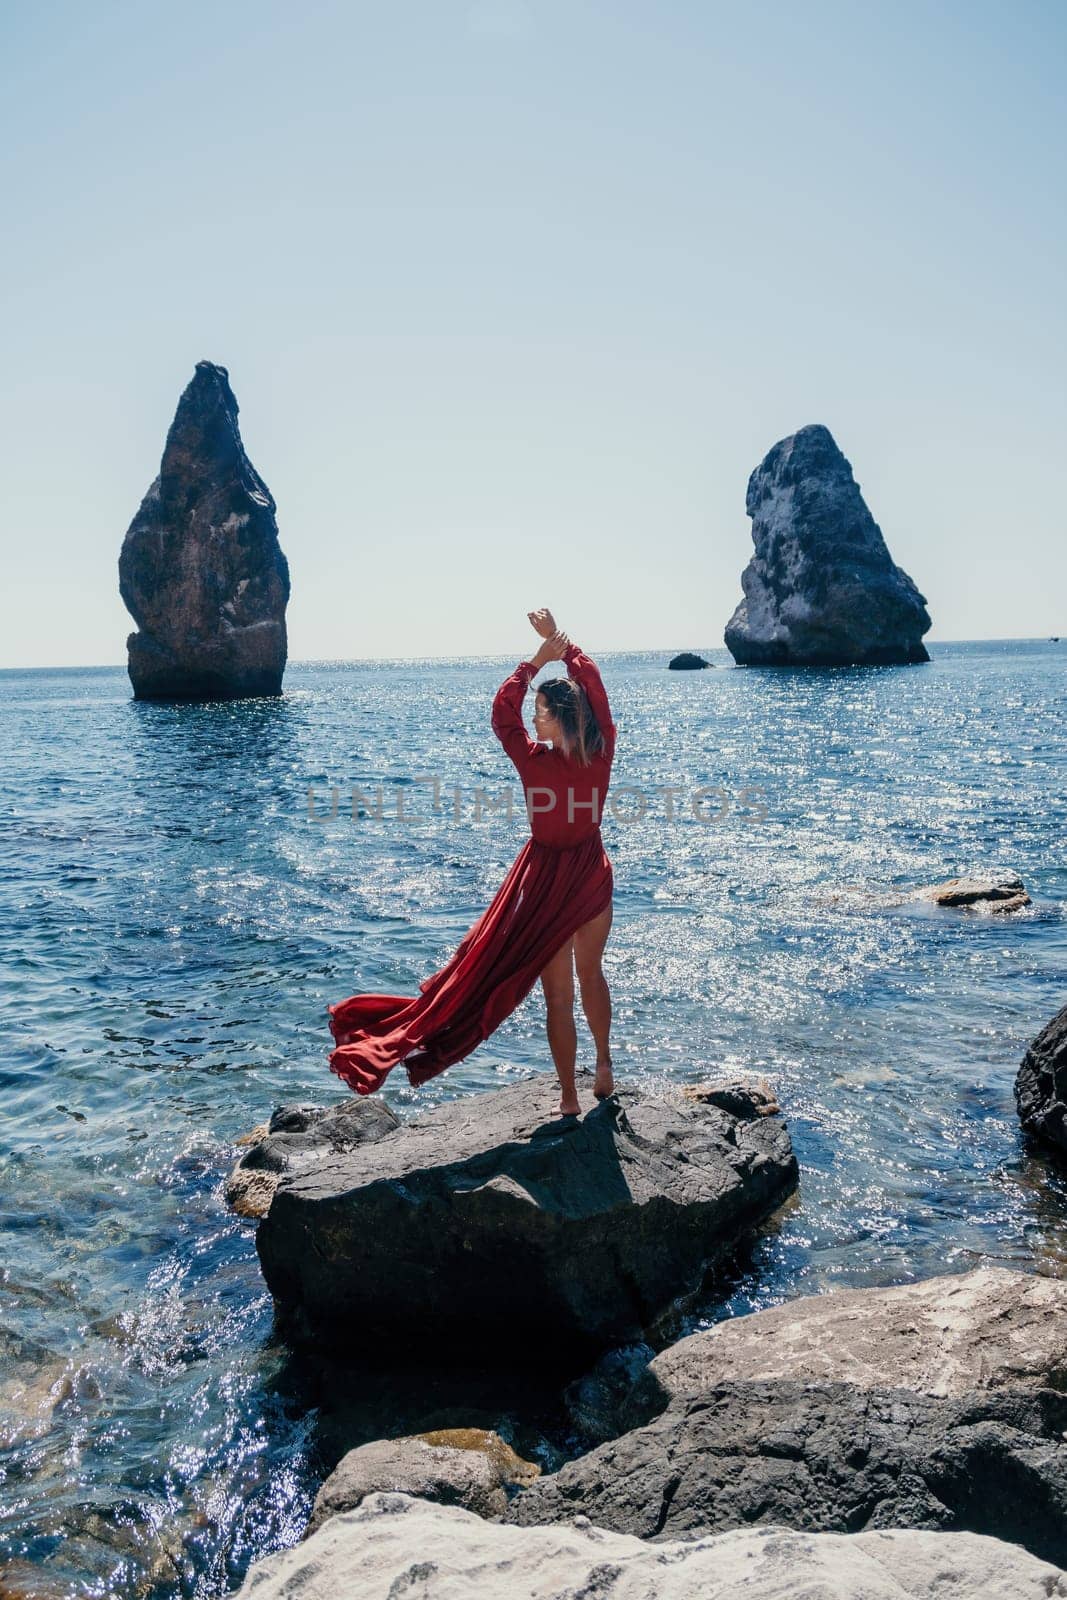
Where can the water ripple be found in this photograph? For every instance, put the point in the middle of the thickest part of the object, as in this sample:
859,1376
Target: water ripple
175,922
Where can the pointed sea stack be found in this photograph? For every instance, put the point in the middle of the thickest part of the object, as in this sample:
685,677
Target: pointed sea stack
201,571
821,588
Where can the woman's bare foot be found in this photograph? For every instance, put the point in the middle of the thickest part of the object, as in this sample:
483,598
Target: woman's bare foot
569,1105
604,1082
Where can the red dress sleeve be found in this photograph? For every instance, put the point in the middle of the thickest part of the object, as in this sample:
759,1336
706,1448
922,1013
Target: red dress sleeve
507,715
584,670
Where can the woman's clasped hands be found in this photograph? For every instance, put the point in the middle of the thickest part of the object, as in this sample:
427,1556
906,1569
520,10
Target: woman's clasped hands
556,642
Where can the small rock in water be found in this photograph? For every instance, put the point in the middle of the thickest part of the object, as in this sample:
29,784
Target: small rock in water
999,893
596,1401
687,662
297,1138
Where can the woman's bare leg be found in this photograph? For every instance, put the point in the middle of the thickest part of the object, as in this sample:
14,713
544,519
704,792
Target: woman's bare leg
589,942
557,981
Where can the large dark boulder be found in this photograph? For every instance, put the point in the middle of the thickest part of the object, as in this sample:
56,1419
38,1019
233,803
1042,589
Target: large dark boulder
827,1457
821,588
201,571
1041,1084
490,1225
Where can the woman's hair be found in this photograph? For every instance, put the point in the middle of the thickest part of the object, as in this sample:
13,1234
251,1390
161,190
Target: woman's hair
569,704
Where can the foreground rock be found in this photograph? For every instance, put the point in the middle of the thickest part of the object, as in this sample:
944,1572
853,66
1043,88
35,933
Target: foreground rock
490,1224
998,892
932,1405
990,1328
821,588
298,1138
201,571
1041,1084
987,1329
395,1546
687,662
827,1457
469,1467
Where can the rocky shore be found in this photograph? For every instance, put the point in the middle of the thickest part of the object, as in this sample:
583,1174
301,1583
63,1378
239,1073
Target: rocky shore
880,1441
899,1441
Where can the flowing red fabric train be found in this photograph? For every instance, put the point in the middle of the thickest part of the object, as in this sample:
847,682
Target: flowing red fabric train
547,894
560,878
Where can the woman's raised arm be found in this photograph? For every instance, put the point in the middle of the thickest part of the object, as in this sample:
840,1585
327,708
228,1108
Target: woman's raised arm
507,713
584,670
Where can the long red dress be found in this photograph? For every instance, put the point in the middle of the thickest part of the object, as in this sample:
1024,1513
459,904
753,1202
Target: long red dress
560,878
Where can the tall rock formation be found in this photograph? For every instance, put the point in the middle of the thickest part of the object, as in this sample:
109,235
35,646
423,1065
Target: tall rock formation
201,571
821,588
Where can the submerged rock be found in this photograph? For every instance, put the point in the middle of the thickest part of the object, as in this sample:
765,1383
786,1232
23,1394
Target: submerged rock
998,892
596,1401
201,570
1041,1084
470,1467
687,662
490,1224
821,588
394,1545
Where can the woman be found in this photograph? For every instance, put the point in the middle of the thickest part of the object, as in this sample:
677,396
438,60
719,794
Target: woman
552,911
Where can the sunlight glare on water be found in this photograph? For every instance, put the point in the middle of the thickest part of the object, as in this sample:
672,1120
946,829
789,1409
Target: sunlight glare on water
175,924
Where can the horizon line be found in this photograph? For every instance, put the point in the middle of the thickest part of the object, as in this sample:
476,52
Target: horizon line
491,655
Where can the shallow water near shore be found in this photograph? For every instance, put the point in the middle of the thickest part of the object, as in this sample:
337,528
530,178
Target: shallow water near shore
176,919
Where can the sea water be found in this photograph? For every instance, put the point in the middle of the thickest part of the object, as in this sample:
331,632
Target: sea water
186,887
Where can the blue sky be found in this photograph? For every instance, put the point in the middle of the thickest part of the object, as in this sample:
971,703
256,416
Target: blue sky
514,294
